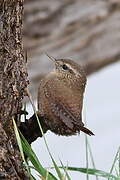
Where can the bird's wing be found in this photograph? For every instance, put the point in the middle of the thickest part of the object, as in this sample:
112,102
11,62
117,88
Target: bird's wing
66,117
62,110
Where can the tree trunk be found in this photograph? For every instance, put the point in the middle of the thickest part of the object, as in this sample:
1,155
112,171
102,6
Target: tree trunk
85,30
13,81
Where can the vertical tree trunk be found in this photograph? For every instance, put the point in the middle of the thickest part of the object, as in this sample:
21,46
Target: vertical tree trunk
13,81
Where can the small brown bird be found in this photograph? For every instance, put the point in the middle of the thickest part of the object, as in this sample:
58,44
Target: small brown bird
60,98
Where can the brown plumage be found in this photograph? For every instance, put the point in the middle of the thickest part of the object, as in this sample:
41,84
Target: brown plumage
60,98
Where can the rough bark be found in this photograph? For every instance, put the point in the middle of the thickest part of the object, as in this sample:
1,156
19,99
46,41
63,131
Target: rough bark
13,81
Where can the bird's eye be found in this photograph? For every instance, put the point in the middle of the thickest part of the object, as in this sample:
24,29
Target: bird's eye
65,67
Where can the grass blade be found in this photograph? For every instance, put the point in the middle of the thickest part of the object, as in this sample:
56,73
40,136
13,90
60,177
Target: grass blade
34,160
91,156
19,143
57,169
119,162
87,160
65,170
92,172
114,161
88,149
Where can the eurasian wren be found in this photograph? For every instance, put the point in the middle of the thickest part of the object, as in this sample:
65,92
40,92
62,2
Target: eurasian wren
60,98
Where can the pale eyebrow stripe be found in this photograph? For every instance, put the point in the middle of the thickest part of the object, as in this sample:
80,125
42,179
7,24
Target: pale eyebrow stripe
72,68
75,71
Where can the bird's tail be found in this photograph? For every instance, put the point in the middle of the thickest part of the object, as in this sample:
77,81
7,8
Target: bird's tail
87,131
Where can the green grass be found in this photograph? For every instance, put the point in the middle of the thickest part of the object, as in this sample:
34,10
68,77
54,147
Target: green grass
42,172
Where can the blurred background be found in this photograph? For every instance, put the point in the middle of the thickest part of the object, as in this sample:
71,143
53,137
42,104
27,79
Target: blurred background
87,31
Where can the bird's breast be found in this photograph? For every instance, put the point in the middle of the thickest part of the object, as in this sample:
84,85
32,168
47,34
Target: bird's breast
63,96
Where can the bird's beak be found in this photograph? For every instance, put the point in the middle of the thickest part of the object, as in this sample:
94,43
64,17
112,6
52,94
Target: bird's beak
51,58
